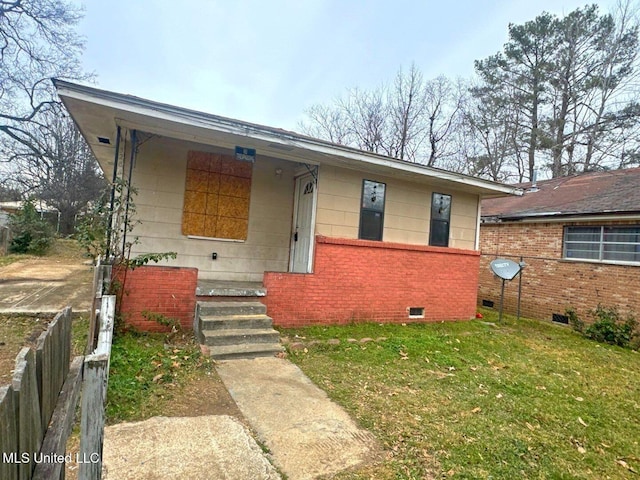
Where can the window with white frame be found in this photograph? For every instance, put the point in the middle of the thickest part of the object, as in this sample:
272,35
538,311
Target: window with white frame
604,243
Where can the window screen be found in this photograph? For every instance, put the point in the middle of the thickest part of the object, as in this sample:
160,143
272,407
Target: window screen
440,220
372,210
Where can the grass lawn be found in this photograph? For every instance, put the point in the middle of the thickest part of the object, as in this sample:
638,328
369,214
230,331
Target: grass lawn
143,371
149,375
61,248
474,400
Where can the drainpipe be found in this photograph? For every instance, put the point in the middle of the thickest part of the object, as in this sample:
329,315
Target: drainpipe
112,199
132,159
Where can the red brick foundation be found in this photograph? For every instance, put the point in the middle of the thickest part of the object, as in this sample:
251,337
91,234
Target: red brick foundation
359,280
169,291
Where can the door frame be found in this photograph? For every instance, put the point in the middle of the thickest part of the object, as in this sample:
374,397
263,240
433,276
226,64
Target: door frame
299,181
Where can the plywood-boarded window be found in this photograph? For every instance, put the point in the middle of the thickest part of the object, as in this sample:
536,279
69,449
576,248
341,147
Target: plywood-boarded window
216,197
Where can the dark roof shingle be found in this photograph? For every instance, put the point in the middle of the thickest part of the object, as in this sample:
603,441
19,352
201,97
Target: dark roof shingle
616,191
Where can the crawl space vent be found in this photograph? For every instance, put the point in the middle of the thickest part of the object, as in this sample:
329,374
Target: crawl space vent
487,303
556,317
416,312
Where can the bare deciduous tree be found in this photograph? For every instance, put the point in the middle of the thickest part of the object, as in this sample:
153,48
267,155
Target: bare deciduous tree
64,174
413,119
37,41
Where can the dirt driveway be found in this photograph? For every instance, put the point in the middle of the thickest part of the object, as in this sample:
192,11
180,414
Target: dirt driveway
36,285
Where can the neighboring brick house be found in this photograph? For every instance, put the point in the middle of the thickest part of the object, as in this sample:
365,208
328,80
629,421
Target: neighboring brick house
323,233
578,235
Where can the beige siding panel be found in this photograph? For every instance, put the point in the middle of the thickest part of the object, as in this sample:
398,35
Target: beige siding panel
157,199
414,210
159,175
405,223
339,191
330,217
407,209
344,232
339,202
464,209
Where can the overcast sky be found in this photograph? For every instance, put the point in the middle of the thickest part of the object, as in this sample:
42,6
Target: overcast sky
266,61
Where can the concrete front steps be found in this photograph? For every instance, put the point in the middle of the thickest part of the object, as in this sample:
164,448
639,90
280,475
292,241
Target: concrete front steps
236,328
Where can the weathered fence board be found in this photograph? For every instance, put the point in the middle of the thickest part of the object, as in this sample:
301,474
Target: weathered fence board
54,444
53,352
94,394
27,410
101,285
8,436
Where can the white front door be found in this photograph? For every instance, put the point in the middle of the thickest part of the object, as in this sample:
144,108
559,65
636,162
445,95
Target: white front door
302,235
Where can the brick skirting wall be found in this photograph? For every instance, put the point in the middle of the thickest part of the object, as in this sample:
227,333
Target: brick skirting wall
360,280
169,291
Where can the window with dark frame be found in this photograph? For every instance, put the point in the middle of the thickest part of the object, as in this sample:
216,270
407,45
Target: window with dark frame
372,210
440,220
615,243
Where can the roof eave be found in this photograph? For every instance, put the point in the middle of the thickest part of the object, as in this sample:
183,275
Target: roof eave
485,188
558,217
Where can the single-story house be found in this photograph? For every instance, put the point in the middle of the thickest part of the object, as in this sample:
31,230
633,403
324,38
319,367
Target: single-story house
578,235
328,233
51,214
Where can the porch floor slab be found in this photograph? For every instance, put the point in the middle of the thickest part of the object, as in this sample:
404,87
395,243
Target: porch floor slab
308,435
222,288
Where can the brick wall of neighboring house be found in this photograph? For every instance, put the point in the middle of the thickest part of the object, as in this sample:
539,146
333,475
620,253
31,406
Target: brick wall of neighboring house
169,291
358,280
549,283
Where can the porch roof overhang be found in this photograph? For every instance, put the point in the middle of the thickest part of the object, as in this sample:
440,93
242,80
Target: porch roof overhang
98,113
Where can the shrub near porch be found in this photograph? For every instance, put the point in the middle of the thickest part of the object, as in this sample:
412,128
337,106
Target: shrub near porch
474,400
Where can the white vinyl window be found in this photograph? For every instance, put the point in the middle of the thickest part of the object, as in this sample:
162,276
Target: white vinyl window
609,244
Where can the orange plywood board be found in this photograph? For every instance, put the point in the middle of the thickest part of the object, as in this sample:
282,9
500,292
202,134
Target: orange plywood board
195,202
197,180
217,193
235,228
236,168
212,204
193,224
235,186
233,207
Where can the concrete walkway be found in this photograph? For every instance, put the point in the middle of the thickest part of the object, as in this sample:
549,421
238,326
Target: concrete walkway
211,447
37,286
308,435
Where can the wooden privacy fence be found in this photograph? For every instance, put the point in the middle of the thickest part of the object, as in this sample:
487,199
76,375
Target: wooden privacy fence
37,410
30,402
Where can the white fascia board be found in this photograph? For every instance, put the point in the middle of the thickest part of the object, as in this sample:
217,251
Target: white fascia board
170,113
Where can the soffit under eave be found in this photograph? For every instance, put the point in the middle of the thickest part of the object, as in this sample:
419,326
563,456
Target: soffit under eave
97,120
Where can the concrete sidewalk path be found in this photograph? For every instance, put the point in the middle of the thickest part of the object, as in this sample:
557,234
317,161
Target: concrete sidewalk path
308,435
44,285
184,448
